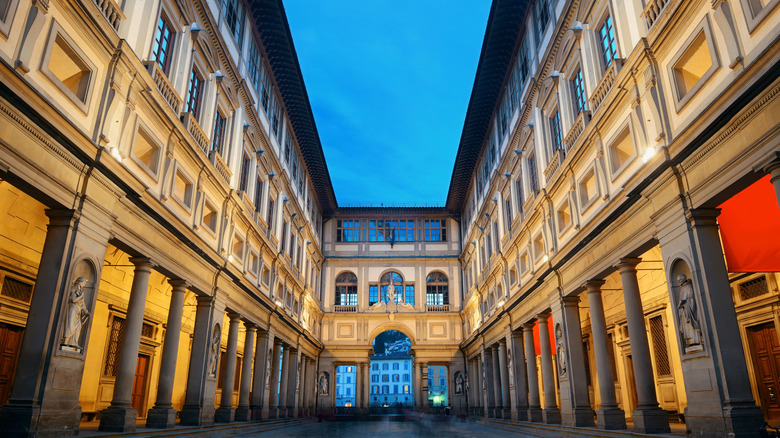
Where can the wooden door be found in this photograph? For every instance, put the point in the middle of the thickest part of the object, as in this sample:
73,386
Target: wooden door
10,342
631,382
765,351
139,384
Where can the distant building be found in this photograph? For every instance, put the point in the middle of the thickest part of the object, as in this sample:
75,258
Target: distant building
345,385
391,380
437,386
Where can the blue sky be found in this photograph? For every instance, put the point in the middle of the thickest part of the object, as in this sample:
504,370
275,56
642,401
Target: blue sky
389,83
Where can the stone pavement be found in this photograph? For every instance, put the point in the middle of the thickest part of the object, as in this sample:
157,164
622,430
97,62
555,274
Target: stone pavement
386,429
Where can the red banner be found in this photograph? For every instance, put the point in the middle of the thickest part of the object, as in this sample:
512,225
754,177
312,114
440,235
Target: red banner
536,337
750,229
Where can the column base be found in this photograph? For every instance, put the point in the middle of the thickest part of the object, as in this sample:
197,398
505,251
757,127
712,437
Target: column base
161,418
243,413
118,419
651,420
610,419
224,415
520,414
491,412
506,413
197,416
552,416
22,421
273,413
535,415
736,421
579,417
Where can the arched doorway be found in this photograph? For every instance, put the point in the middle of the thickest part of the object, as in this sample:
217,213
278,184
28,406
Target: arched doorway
392,372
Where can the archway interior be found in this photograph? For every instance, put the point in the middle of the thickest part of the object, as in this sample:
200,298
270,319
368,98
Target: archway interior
392,368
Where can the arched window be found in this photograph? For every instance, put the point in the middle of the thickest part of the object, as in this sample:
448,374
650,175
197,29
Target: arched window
346,289
402,291
436,289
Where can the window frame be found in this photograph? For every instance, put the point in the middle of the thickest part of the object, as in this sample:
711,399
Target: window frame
192,104
57,30
141,126
607,18
702,28
154,56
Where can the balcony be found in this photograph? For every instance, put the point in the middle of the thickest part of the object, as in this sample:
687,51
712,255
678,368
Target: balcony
605,84
345,309
193,127
576,130
164,86
220,165
437,307
652,11
111,11
554,164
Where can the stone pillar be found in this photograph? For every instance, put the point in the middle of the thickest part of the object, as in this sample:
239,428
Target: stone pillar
120,415
534,406
551,413
163,415
417,386
609,415
504,377
520,383
360,397
773,169
292,382
479,386
576,411
199,403
226,413
471,385
273,398
243,412
497,391
305,384
648,416
261,373
284,382
424,389
489,389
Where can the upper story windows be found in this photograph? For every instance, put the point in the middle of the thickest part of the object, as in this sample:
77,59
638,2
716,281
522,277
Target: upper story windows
194,91
347,230
436,290
435,230
391,230
233,11
346,289
163,44
218,137
556,136
607,44
578,91
243,178
542,16
68,68
519,193
533,177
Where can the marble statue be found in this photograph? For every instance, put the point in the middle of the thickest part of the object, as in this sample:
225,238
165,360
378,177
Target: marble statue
324,384
391,292
214,351
688,316
78,315
459,383
560,353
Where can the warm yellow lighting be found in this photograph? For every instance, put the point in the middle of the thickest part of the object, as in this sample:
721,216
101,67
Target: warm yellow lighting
501,303
278,303
115,153
545,258
230,258
649,153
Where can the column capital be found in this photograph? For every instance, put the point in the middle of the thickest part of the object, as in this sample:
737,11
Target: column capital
628,264
502,341
594,285
250,326
61,216
528,326
234,316
571,301
703,216
204,300
178,284
543,316
142,263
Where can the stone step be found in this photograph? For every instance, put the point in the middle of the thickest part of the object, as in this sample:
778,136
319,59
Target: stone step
558,431
216,430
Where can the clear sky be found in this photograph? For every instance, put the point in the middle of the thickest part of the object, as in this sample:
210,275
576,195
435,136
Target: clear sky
389,84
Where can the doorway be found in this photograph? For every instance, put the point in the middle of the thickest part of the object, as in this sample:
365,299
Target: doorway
765,352
10,341
139,384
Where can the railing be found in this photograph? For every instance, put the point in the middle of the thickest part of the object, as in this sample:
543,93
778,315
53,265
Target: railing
345,410
604,85
344,309
554,164
220,165
438,307
111,11
576,130
652,11
164,86
193,127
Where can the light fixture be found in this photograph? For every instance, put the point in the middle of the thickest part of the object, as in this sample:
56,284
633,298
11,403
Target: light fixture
545,258
501,303
480,228
230,258
301,227
279,303
271,175
259,153
487,214
285,199
308,242
115,153
292,215
649,153
518,151
508,175
474,242
494,200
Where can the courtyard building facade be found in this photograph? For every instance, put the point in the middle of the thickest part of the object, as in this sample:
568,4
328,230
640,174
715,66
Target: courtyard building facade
173,251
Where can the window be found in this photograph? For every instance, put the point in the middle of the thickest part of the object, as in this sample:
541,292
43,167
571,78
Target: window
588,189
373,294
436,289
147,151
692,66
508,211
522,64
7,10
111,364
182,189
435,230
258,195
556,138
270,217
217,141
542,13
578,90
192,105
397,281
376,231
409,294
233,11
538,247
163,40
68,70
400,230
519,191
255,69
621,150
238,247
607,44
284,237
347,230
22,291
346,289
243,178
274,115
532,176
209,216
661,353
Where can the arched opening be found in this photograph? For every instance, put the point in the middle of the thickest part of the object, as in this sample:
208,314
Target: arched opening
437,296
391,287
392,371
346,292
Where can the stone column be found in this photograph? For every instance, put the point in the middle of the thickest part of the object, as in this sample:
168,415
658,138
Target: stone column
489,389
163,415
609,415
504,377
648,416
417,386
577,410
521,384
284,382
479,386
534,406
359,398
497,391
304,387
292,382
273,397
773,169
261,373
470,387
551,413
226,413
424,390
120,415
243,412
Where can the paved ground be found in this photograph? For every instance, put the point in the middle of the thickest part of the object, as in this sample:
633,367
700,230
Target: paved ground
387,429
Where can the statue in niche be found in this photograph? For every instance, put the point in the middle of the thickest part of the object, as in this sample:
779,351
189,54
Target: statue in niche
298,378
560,354
324,384
214,351
390,292
78,315
687,316
459,382
268,369
509,366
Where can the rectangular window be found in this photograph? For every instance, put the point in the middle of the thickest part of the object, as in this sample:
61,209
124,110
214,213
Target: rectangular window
400,230
532,175
556,137
376,231
243,179
70,71
508,210
270,218
111,364
288,148
284,237
607,44
217,141
578,89
209,216
662,367
373,294
163,40
258,194
435,230
348,230
233,11
275,117
255,69
410,294
193,94
519,191
542,13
